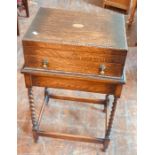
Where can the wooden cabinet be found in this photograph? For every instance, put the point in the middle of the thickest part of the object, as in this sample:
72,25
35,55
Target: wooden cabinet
76,51
98,44
123,5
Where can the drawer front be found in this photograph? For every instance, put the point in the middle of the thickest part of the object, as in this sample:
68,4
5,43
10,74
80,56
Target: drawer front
73,84
97,63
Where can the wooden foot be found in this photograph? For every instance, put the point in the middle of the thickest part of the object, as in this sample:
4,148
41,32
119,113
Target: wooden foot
106,144
35,135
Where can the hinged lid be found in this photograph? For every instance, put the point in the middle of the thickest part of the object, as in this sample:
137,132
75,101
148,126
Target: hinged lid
53,26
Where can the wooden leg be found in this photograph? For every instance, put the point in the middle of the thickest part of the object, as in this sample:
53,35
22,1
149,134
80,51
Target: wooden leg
105,111
18,33
106,144
37,132
25,2
106,103
132,12
108,131
33,114
46,93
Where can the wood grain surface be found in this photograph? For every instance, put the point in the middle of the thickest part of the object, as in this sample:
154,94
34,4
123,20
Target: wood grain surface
76,42
70,81
75,61
56,26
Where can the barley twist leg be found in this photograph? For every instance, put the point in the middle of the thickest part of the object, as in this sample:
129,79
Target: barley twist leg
33,114
108,131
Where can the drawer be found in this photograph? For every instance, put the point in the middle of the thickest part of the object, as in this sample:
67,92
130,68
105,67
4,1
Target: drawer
73,84
85,62
72,81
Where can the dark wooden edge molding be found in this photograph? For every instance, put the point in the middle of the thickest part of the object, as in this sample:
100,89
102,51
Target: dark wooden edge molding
43,72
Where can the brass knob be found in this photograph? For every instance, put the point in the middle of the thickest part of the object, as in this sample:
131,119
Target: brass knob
101,69
45,63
